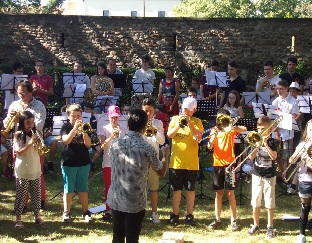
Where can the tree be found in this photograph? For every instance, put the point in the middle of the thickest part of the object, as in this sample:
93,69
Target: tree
244,8
31,6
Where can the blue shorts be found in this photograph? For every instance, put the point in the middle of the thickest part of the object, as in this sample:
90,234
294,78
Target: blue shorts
305,189
75,178
48,140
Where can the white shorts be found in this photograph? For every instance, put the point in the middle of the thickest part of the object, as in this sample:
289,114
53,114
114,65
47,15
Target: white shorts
265,186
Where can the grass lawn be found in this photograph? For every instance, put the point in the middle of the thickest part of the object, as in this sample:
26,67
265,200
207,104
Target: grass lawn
100,231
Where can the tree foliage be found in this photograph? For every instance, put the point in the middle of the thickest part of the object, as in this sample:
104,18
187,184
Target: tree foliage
31,6
244,9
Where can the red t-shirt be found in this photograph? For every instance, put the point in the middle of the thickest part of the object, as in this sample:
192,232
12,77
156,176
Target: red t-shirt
43,82
164,118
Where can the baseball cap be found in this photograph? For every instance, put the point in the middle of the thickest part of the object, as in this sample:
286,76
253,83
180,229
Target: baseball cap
294,85
189,103
113,111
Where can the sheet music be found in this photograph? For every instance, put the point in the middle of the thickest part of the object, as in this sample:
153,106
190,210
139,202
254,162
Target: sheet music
258,97
9,80
210,77
303,103
258,109
79,78
74,90
221,79
142,86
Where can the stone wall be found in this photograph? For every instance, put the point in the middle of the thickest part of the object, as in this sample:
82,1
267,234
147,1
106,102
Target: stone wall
183,42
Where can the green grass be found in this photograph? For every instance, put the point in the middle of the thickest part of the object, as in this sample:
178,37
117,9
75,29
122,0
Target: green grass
99,231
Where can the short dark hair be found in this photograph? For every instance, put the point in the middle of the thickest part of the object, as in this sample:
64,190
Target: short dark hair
283,83
137,120
233,64
168,67
149,101
269,63
223,112
89,105
25,83
79,62
292,59
214,63
111,59
192,89
40,60
17,65
146,58
196,79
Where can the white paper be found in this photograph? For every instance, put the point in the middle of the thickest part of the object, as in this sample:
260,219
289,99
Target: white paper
142,86
74,90
221,79
102,120
290,217
58,122
303,102
98,209
9,80
210,77
72,78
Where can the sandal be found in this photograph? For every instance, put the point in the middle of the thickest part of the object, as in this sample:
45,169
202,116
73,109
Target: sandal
39,221
19,224
107,217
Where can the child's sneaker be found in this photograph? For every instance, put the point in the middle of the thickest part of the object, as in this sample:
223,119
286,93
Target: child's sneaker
253,230
66,217
174,219
234,225
155,218
189,219
270,233
87,217
301,239
215,224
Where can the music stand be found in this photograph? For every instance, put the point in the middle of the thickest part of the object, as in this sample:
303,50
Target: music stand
8,83
304,103
76,78
206,109
105,101
74,91
257,97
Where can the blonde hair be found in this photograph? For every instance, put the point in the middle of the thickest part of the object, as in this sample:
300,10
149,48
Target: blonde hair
73,107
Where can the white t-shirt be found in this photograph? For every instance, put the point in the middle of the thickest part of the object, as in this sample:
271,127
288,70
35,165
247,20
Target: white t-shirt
106,131
28,165
159,138
147,75
303,175
288,105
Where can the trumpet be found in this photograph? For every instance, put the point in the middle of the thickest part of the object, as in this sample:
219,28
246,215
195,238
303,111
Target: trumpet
255,141
149,132
10,124
293,159
183,121
39,144
84,127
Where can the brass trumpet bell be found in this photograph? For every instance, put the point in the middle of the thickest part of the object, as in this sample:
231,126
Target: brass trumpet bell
84,128
183,123
224,123
254,139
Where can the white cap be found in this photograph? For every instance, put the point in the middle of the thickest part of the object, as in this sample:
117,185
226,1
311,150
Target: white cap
294,85
189,103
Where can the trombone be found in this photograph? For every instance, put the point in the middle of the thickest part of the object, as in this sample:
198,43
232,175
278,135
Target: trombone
255,141
224,123
293,160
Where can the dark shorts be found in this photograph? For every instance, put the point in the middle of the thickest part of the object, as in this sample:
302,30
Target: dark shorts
180,178
305,189
221,180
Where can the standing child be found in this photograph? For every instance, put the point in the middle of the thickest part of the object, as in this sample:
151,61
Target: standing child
75,163
263,177
154,135
304,149
223,155
108,134
27,168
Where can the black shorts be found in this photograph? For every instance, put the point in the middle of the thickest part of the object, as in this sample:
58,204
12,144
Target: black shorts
179,178
221,180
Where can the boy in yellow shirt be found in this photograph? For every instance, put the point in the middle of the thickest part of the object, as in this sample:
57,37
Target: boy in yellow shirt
184,161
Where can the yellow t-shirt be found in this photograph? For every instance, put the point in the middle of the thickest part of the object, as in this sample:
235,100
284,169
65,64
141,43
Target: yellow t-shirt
184,149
